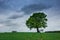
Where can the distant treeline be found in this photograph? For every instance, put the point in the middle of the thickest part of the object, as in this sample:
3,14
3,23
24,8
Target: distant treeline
52,32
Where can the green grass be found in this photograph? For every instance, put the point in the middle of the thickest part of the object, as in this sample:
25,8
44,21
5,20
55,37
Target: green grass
29,36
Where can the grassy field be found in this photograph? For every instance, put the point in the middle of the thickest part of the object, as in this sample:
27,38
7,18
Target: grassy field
29,36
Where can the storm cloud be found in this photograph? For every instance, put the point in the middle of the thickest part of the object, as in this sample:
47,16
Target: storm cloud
34,7
15,16
30,9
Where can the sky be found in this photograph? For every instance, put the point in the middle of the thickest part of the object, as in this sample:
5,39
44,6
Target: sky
14,13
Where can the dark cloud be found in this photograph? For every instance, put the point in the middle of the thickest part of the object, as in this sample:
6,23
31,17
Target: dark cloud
29,9
34,7
5,21
15,16
37,5
8,23
16,4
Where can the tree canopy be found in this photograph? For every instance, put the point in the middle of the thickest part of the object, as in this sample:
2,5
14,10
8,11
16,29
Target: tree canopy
37,20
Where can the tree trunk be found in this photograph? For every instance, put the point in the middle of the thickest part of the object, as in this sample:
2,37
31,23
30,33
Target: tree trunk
38,30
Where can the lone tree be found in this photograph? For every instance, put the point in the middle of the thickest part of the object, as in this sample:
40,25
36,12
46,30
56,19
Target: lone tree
37,20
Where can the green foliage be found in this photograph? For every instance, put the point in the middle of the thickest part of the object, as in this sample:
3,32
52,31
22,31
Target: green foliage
14,31
37,20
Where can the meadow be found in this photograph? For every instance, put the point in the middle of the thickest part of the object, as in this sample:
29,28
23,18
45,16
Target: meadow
29,36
